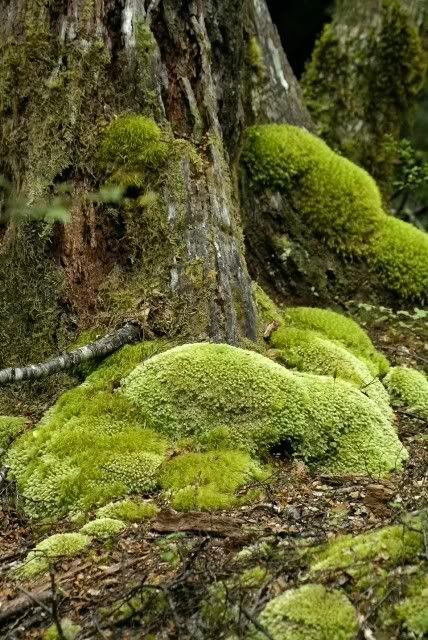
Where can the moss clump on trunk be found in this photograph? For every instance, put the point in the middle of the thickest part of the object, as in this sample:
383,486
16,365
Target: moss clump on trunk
340,203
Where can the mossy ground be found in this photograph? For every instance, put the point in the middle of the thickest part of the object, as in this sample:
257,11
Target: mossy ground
137,425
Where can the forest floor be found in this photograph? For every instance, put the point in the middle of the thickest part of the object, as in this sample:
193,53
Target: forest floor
153,579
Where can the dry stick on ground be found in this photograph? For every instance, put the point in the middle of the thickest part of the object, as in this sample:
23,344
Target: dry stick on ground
98,349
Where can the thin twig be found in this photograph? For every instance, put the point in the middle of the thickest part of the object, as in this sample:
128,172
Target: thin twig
55,615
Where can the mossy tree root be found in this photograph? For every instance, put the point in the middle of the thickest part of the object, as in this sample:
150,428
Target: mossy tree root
97,349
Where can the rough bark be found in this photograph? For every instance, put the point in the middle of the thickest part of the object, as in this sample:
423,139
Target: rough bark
366,72
69,68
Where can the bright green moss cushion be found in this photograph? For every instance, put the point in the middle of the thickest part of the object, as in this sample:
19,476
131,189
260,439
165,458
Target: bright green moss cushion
339,202
133,141
192,390
306,351
399,255
335,197
92,446
338,327
102,441
50,550
206,481
408,388
310,612
10,427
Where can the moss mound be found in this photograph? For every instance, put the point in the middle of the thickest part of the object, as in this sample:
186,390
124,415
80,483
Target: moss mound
399,254
91,447
134,141
10,427
305,350
393,545
208,481
408,388
412,612
129,510
257,404
310,612
341,329
103,528
340,202
103,441
336,198
60,545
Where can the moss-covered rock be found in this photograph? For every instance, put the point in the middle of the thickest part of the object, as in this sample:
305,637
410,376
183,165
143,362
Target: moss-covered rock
310,612
339,202
208,481
103,528
129,510
49,551
408,388
258,404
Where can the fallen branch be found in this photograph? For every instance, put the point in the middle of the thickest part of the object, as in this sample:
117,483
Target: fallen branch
201,523
22,603
98,349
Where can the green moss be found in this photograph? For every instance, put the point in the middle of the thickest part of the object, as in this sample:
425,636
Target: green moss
10,428
339,328
91,447
49,551
122,362
147,606
70,630
255,57
392,545
254,578
408,388
398,253
307,351
82,370
135,142
339,202
207,481
103,528
412,612
310,612
335,198
328,422
129,510
26,266
267,310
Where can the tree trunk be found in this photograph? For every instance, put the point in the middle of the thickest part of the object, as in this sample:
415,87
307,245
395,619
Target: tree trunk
204,71
365,74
